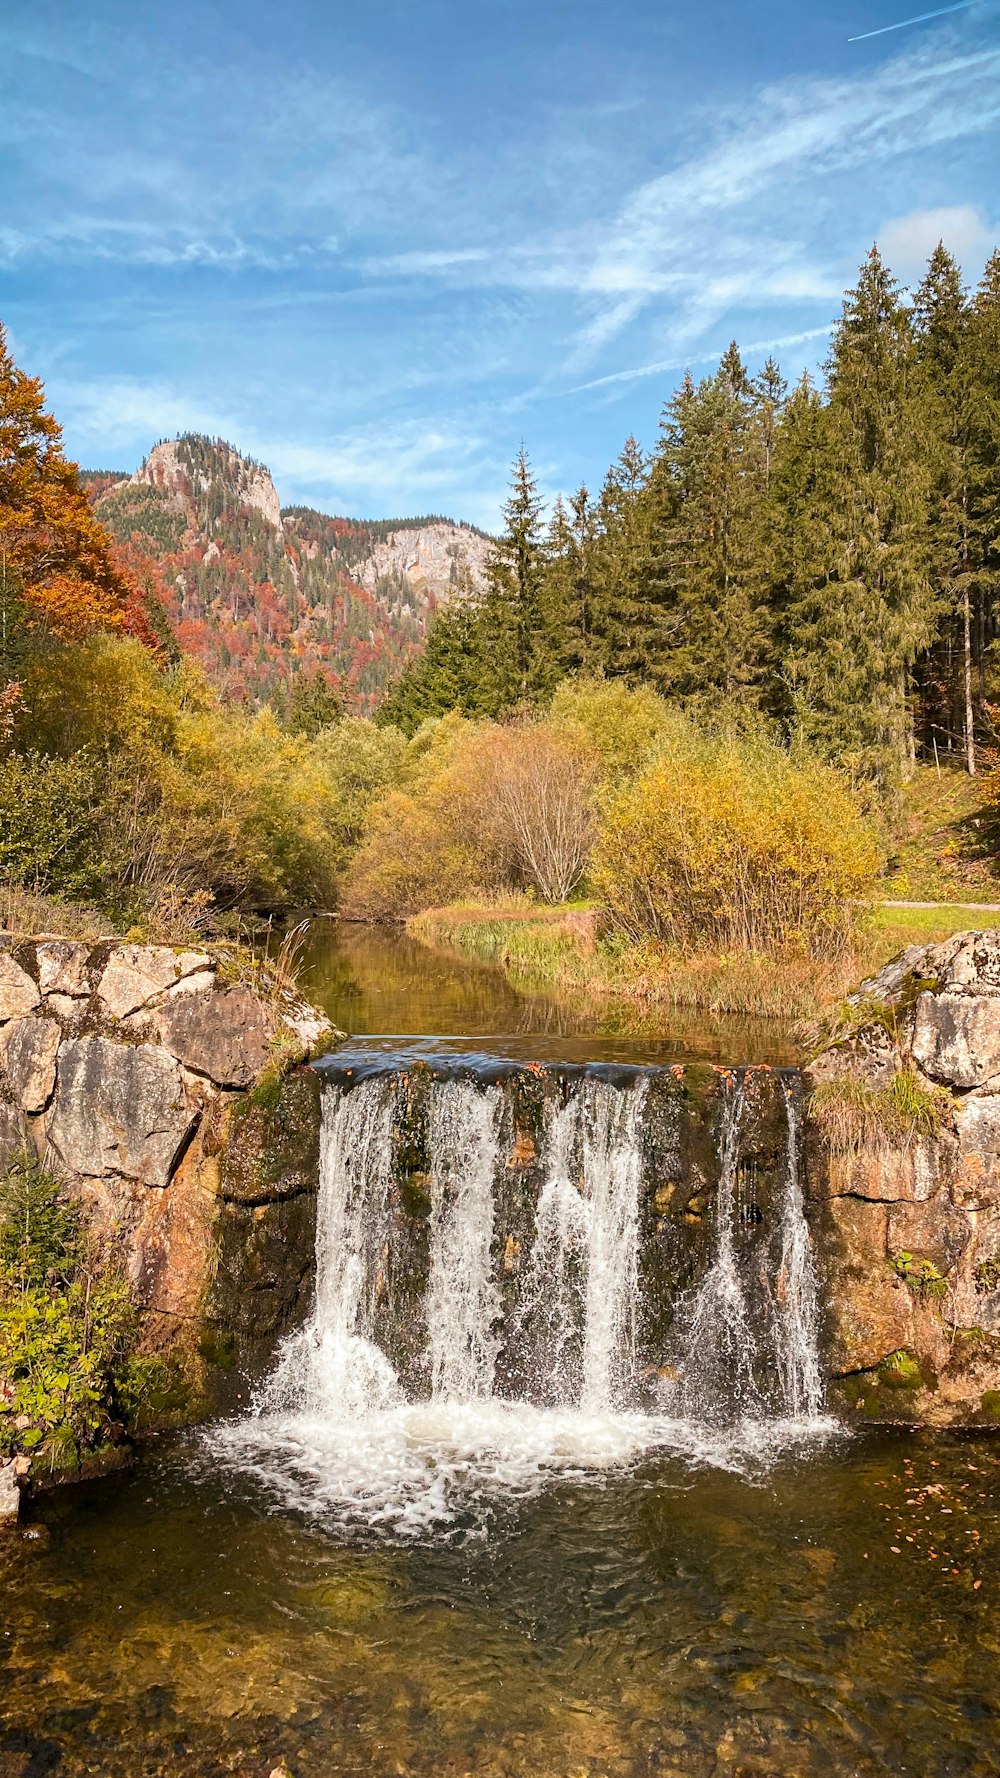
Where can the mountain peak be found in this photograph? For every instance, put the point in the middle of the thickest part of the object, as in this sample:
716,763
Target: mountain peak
188,468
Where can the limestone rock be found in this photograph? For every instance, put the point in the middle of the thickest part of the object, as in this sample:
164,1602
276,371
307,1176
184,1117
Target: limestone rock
956,1038
871,1309
29,1047
226,1036
13,1130
10,1493
62,967
118,1109
976,1182
18,993
136,974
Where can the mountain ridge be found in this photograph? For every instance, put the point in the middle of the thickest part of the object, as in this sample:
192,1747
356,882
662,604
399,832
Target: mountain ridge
259,593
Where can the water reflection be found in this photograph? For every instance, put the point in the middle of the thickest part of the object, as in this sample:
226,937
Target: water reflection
375,982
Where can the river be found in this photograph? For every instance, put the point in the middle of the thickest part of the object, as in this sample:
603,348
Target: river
363,1577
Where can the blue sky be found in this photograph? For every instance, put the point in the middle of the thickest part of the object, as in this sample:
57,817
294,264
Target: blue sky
377,245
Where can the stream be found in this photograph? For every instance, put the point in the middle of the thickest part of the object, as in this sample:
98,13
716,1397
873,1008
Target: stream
541,1489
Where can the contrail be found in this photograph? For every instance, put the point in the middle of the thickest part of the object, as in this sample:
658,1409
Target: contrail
963,6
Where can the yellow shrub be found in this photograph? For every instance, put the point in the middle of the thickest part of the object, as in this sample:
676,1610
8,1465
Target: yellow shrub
734,845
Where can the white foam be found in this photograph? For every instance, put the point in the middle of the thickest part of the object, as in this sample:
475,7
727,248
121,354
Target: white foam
433,1467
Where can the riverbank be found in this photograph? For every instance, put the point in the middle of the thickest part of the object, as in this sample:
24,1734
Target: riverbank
561,950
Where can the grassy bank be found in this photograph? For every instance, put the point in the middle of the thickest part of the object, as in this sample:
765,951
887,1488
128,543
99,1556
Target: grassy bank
559,949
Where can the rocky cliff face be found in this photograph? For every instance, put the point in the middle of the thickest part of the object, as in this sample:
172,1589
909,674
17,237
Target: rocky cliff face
171,1099
904,1188
183,482
439,561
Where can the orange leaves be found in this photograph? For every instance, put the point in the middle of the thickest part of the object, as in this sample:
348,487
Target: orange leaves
54,553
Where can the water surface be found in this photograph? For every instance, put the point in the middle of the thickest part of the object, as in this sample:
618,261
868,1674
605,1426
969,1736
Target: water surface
673,1619
375,982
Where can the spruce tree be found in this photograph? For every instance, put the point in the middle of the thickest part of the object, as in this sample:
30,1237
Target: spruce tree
707,575
864,608
622,616
982,348
515,665
940,325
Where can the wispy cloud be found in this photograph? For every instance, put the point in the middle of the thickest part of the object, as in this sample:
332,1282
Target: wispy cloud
665,365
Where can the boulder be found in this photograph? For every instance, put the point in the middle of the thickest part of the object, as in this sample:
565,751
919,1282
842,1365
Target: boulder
118,1108
18,993
956,1037
29,1047
62,967
226,1036
136,974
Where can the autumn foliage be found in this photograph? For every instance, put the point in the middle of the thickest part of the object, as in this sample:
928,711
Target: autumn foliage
55,556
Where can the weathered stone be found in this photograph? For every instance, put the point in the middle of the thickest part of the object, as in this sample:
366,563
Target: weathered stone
28,1048
956,1038
18,993
10,1493
976,1177
62,967
202,982
870,1308
136,974
67,1007
934,1231
974,962
227,1036
13,1130
118,1109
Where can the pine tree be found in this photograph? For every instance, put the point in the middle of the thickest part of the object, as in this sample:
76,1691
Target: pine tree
982,347
515,663
707,576
864,607
940,323
569,592
622,616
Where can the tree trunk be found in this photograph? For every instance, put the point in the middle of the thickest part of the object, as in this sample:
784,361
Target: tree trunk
970,735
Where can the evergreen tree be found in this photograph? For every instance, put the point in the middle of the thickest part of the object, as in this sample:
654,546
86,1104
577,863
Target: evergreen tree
864,608
571,642
313,705
707,576
982,347
516,663
940,322
622,617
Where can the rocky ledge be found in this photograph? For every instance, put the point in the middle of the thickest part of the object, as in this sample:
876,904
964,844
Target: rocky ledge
170,1096
903,1171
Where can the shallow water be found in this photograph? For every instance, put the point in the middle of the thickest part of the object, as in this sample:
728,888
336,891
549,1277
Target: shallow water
674,1618
376,983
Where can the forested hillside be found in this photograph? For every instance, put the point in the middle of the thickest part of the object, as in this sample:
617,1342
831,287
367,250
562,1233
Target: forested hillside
260,596
827,558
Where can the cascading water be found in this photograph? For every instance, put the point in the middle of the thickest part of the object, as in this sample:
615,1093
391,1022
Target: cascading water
490,1328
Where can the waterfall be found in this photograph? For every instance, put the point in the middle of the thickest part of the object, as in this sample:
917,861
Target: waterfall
463,1304
612,1166
334,1365
795,1289
719,1356
448,1236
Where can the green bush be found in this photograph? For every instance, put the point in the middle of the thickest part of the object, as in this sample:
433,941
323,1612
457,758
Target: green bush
70,1375
48,828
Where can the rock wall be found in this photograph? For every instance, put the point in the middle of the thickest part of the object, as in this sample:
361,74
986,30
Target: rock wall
903,1168
170,1096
